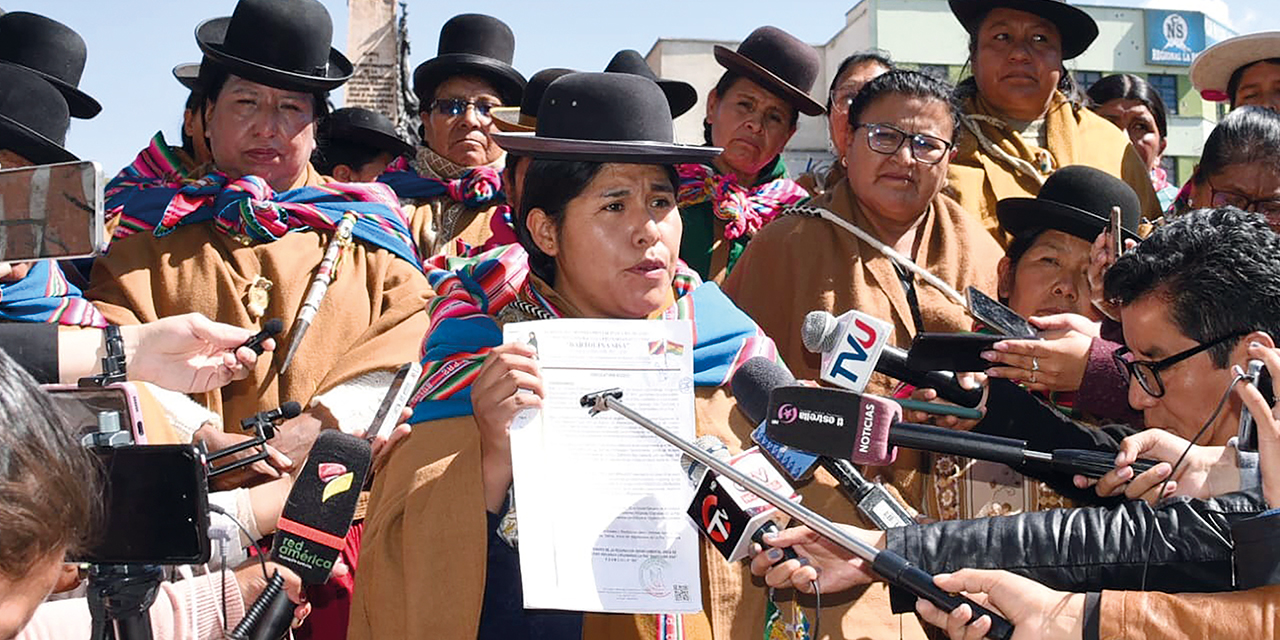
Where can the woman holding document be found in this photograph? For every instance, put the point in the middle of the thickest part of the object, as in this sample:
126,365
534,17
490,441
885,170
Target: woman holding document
599,238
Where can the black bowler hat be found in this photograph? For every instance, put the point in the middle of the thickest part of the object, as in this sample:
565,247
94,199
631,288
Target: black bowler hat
1077,200
33,117
1077,28
188,74
680,95
525,116
779,62
53,51
605,117
362,127
286,44
472,44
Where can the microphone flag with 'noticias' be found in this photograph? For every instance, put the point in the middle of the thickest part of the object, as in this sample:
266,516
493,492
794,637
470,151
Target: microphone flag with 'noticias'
834,423
320,506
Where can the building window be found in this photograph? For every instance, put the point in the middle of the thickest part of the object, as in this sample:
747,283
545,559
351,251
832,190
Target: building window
938,71
1085,79
1167,87
1170,166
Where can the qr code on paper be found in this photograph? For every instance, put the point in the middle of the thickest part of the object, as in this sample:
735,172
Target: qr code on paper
682,592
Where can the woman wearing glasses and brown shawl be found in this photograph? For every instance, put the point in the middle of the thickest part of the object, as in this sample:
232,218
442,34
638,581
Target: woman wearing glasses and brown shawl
899,135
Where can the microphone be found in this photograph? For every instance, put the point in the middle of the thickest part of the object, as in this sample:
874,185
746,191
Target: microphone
269,329
844,342
263,426
752,384
730,516
868,430
886,564
314,523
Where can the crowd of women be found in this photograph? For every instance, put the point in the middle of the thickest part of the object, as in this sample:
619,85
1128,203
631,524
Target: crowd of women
565,195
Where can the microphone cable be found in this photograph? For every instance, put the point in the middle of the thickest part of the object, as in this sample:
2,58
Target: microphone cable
1155,522
262,561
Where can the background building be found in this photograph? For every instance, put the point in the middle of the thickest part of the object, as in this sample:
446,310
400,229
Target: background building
378,46
922,34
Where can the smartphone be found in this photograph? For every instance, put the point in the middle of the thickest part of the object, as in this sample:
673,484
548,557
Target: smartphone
1000,318
52,211
1247,435
959,351
80,406
156,504
1116,240
402,386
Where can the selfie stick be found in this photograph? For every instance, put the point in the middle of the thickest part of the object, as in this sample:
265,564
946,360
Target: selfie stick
887,564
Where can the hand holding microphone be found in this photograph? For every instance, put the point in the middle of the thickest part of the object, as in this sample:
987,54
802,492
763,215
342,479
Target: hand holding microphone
191,353
855,345
312,529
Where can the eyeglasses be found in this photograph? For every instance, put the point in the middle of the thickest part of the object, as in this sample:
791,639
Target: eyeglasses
843,96
1148,372
1269,207
887,139
455,107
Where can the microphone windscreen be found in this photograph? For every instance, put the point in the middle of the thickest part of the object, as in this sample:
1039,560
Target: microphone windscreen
318,512
876,416
290,410
754,381
273,326
819,331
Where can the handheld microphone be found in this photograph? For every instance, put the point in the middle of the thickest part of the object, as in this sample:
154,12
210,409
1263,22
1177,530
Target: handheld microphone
315,520
868,430
263,426
269,329
730,516
840,341
752,384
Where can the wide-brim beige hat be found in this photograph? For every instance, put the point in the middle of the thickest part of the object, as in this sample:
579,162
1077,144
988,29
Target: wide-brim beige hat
1212,69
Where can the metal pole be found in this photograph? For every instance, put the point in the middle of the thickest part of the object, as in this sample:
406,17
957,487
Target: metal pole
603,400
887,564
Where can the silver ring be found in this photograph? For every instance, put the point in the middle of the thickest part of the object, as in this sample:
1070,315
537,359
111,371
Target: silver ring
1033,377
1035,365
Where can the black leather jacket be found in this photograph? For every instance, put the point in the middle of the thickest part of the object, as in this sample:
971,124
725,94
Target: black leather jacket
1091,548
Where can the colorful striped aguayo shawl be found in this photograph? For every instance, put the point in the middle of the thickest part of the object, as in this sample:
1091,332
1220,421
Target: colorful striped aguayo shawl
478,187
464,328
45,295
744,209
153,195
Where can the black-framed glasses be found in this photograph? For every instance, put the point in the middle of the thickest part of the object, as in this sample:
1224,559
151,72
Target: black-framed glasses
1269,207
455,107
1148,372
887,139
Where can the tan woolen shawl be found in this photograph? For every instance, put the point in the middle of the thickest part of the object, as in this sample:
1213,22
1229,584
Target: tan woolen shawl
799,264
372,318
1075,135
422,561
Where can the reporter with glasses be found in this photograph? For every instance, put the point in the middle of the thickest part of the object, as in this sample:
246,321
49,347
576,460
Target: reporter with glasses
1198,300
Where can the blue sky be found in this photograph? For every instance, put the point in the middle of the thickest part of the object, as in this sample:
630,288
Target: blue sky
133,44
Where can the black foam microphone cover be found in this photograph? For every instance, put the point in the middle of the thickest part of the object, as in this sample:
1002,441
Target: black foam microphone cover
318,512
754,381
